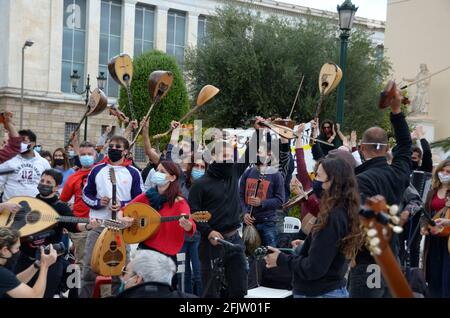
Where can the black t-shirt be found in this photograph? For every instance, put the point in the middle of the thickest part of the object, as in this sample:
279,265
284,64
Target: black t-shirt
8,281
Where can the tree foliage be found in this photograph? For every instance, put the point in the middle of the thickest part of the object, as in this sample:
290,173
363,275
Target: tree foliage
258,64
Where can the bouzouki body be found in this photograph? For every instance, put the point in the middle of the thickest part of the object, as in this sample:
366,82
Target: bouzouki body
147,221
109,253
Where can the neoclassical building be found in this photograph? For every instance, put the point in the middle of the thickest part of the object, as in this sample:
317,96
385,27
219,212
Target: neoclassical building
82,36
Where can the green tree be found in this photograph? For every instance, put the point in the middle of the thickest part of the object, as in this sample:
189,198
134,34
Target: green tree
258,64
173,106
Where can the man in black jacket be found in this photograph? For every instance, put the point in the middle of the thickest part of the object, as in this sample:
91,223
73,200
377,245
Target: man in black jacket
421,156
375,176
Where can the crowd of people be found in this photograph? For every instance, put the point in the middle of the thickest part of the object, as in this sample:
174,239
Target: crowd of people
326,258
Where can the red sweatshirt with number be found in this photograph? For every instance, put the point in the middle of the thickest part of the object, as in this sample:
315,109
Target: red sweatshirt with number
169,238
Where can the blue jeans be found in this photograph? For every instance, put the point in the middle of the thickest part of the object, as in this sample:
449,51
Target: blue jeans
268,232
194,277
337,293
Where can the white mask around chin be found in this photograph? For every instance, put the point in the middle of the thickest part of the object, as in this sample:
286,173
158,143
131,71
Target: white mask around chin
24,147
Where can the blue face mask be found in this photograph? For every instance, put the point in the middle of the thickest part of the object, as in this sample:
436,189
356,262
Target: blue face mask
87,161
159,178
197,173
37,148
317,187
123,284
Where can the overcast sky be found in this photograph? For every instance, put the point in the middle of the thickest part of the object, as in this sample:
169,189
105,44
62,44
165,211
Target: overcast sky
372,9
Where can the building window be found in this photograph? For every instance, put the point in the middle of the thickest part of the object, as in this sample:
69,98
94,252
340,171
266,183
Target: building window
110,30
201,30
176,35
74,42
144,29
68,129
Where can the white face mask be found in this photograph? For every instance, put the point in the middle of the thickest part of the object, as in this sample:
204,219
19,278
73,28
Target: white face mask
24,147
444,178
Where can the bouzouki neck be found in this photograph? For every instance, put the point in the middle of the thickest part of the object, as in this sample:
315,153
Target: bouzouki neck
130,101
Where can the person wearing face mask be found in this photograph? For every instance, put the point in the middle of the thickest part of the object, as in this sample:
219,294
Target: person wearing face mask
149,275
421,154
270,195
166,198
28,167
436,253
320,268
73,190
376,177
60,162
48,193
15,286
97,194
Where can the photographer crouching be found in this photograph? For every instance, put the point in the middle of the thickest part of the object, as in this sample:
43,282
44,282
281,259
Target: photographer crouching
15,286
30,249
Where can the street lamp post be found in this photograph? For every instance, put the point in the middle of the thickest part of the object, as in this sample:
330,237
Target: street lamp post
346,13
75,79
27,43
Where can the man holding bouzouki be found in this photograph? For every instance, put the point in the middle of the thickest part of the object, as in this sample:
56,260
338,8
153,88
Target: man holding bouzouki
97,194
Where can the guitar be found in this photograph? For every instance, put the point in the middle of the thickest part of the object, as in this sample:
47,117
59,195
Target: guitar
378,226
112,177
36,216
147,221
121,69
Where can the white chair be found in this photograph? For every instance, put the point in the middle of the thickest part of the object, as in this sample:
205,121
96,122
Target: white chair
292,225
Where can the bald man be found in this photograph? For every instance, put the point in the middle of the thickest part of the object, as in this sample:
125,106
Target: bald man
375,176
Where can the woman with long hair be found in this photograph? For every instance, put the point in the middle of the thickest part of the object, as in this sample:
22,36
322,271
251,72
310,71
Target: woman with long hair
323,261
166,198
436,253
60,162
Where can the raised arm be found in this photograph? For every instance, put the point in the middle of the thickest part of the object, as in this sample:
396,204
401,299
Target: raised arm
151,153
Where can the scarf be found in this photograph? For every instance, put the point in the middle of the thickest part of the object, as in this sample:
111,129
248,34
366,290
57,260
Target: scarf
156,200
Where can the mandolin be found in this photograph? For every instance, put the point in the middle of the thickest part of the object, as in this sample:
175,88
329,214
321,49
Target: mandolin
36,216
378,226
444,213
147,221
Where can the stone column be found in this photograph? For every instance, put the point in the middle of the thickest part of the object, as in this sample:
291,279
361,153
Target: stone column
192,28
93,39
128,20
55,50
161,28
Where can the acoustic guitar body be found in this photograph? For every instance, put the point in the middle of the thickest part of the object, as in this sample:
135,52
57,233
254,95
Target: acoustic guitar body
445,232
146,222
109,253
121,69
285,122
34,216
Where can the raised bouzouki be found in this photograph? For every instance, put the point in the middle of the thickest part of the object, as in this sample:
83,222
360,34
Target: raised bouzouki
36,216
159,84
379,226
329,78
147,221
121,69
97,103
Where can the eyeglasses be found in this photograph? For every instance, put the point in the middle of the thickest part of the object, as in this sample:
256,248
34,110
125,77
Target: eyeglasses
116,146
124,271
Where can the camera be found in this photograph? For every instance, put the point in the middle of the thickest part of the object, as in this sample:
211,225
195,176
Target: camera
60,248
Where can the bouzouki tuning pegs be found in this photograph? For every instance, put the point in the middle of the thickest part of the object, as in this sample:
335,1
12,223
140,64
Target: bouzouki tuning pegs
393,210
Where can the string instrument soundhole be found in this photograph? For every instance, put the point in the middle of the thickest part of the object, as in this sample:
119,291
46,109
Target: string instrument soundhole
33,217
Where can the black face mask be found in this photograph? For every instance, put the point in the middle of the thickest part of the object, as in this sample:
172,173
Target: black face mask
115,154
59,162
45,190
221,170
12,261
415,165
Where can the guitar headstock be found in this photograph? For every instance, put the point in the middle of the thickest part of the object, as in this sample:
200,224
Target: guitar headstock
379,221
201,216
112,176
